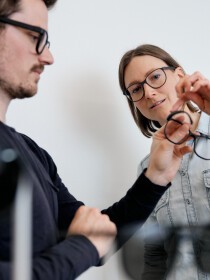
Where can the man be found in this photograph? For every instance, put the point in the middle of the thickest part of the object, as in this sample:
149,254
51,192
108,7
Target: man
68,237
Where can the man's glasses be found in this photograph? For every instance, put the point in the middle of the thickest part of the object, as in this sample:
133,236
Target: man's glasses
176,120
176,239
155,79
42,40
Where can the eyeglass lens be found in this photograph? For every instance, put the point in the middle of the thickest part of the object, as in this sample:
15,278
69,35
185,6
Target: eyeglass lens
43,41
175,121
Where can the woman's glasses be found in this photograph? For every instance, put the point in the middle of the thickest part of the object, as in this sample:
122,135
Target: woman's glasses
154,79
176,120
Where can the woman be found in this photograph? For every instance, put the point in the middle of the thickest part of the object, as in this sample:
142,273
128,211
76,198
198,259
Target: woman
148,77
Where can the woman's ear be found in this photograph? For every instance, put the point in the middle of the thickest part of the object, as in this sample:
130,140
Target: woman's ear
180,72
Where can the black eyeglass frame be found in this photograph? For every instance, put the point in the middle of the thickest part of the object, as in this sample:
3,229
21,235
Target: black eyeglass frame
190,133
42,32
127,94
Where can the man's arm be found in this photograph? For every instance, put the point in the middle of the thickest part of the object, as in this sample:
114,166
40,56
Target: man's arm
64,261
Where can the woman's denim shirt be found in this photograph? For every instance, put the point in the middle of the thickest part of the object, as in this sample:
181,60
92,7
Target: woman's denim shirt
186,202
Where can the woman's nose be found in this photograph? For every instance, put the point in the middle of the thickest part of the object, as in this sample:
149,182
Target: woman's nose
149,92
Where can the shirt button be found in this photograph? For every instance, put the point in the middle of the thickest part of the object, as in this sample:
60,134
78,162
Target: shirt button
188,201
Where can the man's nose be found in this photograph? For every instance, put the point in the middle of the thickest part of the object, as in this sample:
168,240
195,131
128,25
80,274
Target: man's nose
46,57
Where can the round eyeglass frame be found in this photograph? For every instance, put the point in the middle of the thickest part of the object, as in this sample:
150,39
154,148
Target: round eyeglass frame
190,134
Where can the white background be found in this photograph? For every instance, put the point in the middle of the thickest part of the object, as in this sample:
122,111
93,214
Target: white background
80,115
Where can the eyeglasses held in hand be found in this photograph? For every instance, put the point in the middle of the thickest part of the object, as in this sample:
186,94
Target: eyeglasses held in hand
135,256
176,120
155,79
42,40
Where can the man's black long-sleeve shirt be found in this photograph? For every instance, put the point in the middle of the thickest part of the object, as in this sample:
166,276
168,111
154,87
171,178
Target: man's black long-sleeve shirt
54,256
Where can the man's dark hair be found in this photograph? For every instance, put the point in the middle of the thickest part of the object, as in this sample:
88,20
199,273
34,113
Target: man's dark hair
8,7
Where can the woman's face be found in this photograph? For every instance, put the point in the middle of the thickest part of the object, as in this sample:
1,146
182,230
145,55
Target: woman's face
156,103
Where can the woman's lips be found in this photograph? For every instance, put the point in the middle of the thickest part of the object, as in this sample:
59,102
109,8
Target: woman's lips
157,104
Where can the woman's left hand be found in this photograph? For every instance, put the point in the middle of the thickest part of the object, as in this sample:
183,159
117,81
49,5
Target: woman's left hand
196,88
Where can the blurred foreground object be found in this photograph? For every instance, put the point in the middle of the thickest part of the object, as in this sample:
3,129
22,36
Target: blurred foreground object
16,198
179,238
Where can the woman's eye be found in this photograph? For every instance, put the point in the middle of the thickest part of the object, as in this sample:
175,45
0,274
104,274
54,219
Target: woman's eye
137,89
156,76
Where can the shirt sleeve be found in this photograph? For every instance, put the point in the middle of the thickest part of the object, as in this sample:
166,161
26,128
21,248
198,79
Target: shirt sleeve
136,206
64,261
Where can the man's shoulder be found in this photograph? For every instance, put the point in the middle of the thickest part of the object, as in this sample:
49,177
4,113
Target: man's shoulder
26,146
29,140
43,156
8,132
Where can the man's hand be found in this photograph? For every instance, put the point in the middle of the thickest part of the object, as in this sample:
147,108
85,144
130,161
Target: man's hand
196,88
165,157
95,226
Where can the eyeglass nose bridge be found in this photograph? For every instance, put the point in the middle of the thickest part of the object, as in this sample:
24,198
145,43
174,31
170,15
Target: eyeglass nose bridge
142,85
151,88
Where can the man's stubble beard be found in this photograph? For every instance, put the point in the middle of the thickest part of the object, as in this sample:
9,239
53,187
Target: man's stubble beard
17,92
11,90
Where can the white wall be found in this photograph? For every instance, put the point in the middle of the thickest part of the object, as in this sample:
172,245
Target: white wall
80,115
